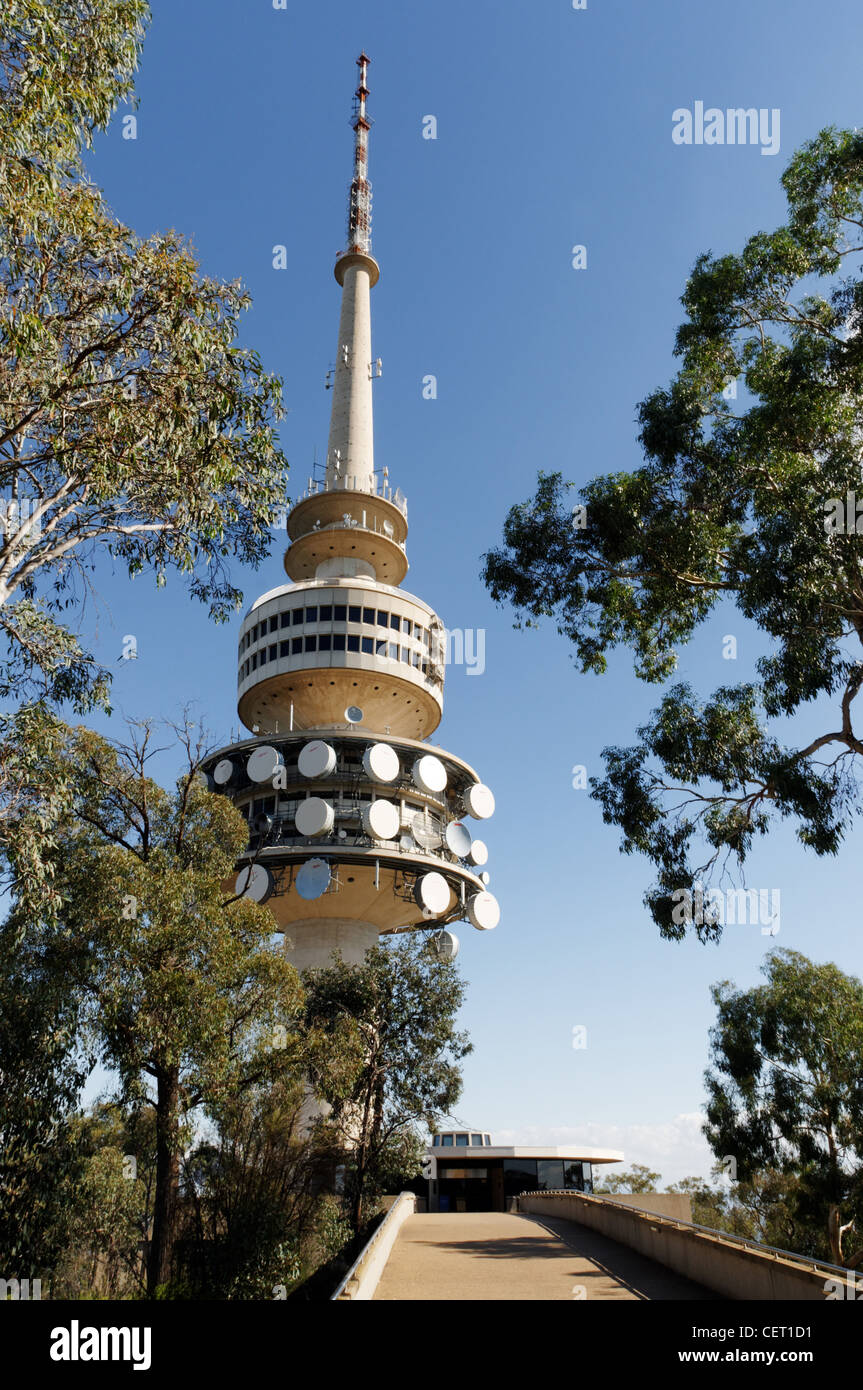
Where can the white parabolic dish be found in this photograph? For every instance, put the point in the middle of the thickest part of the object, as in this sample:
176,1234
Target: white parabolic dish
429,774
457,839
479,801
262,763
381,763
223,772
314,816
381,820
478,853
317,759
255,882
432,893
313,879
483,910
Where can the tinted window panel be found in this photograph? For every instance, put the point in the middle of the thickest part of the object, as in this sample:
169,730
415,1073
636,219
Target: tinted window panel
368,646
353,644
339,642
354,614
325,644
326,613
340,613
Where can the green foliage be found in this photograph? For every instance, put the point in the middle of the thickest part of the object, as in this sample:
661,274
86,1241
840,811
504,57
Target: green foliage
179,988
638,1178
132,422
730,505
785,1094
393,1022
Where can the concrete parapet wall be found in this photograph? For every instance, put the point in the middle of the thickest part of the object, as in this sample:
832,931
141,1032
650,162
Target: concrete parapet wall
730,1268
363,1277
675,1205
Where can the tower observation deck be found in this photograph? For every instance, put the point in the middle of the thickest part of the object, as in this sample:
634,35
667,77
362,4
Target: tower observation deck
357,825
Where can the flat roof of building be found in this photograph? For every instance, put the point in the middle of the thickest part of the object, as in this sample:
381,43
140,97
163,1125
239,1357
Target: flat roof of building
479,1153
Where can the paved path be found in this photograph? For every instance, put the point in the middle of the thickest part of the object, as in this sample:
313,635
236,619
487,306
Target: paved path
488,1255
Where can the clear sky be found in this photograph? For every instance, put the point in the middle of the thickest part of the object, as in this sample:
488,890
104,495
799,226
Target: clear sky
553,129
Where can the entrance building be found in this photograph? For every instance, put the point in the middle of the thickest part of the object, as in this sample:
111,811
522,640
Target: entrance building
467,1172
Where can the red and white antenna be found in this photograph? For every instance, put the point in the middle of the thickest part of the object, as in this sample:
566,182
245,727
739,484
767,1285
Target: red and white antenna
360,206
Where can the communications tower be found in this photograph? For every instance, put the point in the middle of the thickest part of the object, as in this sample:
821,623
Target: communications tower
357,825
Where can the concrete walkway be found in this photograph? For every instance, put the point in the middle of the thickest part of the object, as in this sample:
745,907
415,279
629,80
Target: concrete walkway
488,1255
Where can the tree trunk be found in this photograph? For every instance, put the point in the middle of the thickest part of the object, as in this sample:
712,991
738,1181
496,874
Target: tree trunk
165,1199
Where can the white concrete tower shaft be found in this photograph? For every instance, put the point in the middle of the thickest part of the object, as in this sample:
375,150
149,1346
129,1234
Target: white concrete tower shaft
350,450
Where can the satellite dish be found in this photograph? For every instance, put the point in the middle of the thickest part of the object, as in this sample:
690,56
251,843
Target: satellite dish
485,878
424,832
478,852
478,801
407,843
317,759
381,820
432,893
444,944
313,879
381,762
262,824
429,774
254,882
457,839
223,772
353,714
314,817
204,781
483,911
262,763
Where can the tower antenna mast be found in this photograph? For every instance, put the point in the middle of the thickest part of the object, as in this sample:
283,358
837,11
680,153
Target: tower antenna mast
360,206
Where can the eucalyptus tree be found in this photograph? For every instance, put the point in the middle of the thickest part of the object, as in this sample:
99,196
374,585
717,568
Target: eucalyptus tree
747,499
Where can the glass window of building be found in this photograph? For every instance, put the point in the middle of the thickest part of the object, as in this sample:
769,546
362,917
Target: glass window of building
368,615
519,1175
383,618
325,613
340,613
354,614
274,623
549,1174
461,1140
380,649
393,651
296,645
436,1141
368,646
262,659
476,1141
286,618
274,651
339,642
353,644
284,649
572,1176
446,1140
325,643
395,621
311,644
311,615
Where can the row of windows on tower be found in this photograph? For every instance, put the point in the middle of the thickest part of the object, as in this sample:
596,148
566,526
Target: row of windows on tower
333,642
335,612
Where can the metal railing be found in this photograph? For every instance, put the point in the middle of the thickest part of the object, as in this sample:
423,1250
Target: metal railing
381,489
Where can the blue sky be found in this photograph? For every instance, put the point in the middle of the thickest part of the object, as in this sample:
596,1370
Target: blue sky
554,129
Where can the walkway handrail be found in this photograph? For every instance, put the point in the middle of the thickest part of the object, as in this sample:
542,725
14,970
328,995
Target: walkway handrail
371,1242
807,1261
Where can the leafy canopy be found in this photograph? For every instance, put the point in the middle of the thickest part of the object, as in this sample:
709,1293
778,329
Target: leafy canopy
735,503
